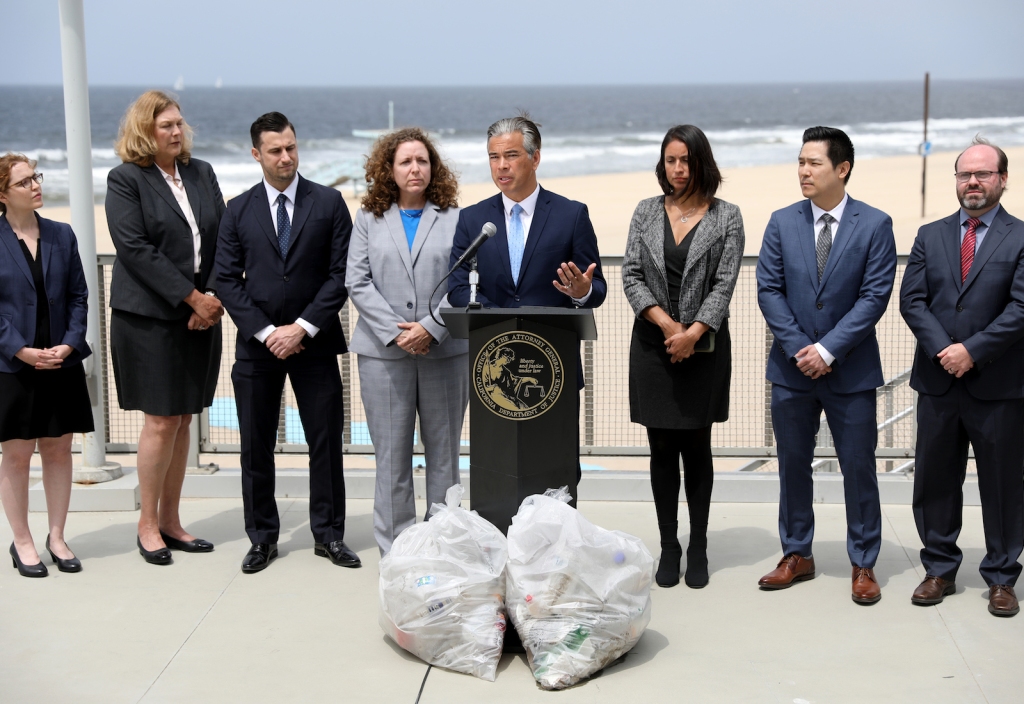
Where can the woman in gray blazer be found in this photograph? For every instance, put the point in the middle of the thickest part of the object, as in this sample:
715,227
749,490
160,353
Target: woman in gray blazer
682,259
408,363
163,212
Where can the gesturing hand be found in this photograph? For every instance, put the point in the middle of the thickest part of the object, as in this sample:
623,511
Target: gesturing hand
573,282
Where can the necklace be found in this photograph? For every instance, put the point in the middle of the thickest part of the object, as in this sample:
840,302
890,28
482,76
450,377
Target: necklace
687,214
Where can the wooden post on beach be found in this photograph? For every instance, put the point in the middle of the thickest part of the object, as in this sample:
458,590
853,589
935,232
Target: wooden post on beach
925,147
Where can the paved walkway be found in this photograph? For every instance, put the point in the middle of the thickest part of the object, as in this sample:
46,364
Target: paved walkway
306,631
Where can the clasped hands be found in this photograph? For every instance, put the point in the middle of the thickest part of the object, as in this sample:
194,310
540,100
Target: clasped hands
286,340
955,359
573,282
414,338
48,358
680,339
207,310
810,363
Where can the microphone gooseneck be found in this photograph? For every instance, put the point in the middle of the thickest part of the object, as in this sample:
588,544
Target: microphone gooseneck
486,232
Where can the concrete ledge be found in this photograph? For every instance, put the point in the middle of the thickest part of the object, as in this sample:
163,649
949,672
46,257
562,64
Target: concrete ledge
121,494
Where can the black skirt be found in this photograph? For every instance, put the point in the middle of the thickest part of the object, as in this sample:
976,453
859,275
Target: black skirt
44,403
687,395
160,366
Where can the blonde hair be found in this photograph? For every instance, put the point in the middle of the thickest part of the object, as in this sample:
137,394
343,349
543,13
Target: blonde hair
7,162
135,142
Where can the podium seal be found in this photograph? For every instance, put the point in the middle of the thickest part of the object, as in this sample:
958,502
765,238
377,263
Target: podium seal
518,375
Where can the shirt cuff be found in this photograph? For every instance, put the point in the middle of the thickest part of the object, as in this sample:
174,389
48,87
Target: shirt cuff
825,354
263,334
310,329
582,301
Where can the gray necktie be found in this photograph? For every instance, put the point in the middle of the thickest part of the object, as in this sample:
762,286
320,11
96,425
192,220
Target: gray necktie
284,226
824,245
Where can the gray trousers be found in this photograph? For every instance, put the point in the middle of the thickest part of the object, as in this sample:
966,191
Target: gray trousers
393,391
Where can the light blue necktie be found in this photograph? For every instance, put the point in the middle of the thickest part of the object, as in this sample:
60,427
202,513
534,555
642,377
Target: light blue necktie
516,245
284,226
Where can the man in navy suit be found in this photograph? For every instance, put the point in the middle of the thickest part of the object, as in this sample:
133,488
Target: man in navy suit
281,258
545,250
963,297
824,277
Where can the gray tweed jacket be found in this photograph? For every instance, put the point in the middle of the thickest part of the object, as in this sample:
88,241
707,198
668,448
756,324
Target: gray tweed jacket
712,265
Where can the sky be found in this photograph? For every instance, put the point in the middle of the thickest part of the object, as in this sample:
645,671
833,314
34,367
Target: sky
527,42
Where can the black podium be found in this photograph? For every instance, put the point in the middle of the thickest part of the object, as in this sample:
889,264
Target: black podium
523,402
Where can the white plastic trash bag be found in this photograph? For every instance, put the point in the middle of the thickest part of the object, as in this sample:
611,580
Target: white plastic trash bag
442,589
578,595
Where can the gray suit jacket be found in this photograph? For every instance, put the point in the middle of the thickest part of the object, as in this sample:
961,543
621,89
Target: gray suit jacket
388,284
712,265
153,272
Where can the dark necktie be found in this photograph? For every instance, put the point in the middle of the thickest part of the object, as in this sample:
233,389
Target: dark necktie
967,248
284,226
824,244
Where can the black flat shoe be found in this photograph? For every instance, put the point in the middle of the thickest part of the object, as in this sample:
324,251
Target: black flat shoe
194,545
24,570
338,553
259,556
70,565
155,557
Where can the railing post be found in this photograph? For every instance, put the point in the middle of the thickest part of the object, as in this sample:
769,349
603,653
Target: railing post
195,441
769,431
346,377
588,390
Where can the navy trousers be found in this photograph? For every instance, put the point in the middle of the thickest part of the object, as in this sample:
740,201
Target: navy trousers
796,415
945,426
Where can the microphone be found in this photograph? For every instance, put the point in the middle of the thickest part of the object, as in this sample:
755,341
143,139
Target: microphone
486,232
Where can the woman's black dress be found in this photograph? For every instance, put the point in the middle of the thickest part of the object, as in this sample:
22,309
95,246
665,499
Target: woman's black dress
690,394
43,403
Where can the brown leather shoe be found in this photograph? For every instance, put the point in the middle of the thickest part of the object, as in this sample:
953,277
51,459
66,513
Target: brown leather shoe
791,569
865,586
932,591
1002,601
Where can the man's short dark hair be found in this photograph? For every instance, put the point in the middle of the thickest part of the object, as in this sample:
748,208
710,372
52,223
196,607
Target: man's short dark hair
1004,163
269,122
840,147
705,178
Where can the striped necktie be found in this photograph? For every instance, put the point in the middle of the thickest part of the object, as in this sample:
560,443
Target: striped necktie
967,248
824,244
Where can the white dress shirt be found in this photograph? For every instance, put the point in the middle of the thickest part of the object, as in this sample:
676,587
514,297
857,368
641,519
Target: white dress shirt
819,225
178,189
529,206
289,206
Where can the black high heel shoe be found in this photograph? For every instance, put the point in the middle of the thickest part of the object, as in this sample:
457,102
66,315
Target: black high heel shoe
195,545
72,564
24,570
155,557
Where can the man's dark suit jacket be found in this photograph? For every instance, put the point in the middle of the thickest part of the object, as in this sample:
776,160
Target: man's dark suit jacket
259,288
561,231
985,312
154,269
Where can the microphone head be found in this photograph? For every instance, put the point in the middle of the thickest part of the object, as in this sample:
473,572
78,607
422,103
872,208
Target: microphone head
488,229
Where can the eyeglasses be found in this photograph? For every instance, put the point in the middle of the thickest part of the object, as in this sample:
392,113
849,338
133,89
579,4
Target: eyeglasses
27,182
965,176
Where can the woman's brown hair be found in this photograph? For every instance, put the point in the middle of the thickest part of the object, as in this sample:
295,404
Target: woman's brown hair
382,191
135,141
7,162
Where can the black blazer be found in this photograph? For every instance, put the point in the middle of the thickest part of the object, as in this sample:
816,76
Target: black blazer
153,272
259,288
985,313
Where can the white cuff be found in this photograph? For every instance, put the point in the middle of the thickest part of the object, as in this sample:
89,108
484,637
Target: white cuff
310,329
263,334
825,354
581,301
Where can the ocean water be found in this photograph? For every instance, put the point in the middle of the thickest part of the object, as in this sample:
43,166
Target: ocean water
586,130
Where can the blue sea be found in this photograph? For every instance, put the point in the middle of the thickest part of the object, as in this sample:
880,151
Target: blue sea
586,130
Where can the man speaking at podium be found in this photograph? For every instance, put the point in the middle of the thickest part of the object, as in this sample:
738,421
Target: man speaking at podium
544,252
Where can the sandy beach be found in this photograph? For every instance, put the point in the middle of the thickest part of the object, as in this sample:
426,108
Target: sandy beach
892,184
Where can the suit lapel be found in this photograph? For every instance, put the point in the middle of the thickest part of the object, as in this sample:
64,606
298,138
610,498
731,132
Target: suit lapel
501,236
843,234
540,216
11,240
46,235
156,180
303,206
652,234
261,209
423,232
806,234
704,235
993,238
393,219
192,190
951,245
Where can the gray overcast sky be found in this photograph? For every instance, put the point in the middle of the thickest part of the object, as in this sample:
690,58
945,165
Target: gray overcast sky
528,42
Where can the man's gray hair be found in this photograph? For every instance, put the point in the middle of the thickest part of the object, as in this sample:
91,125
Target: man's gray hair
522,124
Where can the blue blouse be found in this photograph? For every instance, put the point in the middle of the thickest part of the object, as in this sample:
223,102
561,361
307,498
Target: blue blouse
411,221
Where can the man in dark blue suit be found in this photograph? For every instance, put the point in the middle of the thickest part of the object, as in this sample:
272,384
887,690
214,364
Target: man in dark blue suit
963,297
824,277
280,271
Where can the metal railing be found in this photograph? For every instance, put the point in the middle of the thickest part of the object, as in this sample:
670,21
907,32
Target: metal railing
605,428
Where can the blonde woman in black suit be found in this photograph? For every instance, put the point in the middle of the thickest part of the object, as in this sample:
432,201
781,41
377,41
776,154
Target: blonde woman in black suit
163,212
680,267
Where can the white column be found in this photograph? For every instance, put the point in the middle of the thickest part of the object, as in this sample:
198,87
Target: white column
94,468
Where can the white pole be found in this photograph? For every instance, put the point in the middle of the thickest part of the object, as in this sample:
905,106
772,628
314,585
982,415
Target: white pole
76,119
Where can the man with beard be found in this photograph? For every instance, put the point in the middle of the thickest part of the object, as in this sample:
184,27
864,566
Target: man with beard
963,297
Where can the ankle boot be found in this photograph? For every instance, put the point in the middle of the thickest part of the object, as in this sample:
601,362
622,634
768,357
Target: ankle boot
696,576
668,565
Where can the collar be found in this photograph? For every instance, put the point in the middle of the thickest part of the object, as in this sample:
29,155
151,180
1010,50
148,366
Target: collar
289,192
528,204
173,180
986,219
836,212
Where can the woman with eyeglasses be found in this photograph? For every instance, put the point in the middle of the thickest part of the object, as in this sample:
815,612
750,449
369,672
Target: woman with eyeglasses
43,397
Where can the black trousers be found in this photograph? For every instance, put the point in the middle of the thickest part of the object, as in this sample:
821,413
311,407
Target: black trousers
945,426
318,392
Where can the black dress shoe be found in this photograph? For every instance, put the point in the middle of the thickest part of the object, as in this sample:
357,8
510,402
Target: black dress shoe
38,570
259,556
72,564
338,553
162,556
194,545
